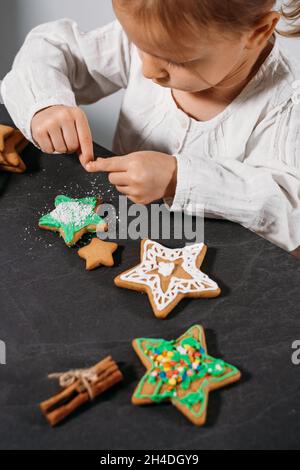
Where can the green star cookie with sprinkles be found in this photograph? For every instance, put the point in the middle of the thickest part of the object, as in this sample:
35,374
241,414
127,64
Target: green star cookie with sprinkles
72,218
182,372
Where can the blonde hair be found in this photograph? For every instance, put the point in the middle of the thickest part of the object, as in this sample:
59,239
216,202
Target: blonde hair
291,13
234,16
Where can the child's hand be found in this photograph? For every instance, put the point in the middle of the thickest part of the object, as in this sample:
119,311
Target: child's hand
142,176
63,129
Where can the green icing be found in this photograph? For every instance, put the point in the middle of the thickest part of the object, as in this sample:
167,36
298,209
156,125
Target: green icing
193,398
72,215
189,362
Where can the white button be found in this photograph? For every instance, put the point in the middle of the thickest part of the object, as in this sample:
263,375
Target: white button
177,145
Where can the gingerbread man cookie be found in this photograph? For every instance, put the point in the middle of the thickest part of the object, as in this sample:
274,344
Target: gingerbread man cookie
181,372
168,275
5,132
98,253
12,142
72,218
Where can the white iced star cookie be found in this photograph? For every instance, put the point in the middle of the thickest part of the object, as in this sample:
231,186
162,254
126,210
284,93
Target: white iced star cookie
168,275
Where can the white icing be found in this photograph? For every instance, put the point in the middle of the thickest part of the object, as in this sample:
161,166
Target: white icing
165,269
72,212
181,350
142,274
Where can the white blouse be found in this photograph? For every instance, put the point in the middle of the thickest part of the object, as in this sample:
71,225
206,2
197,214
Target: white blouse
242,165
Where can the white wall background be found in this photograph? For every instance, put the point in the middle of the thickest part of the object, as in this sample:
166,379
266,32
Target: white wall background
17,17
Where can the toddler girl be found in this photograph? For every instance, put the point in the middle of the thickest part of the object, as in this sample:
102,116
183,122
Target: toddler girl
211,113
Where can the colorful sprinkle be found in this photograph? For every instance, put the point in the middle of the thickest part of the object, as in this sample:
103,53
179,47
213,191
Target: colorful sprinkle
181,365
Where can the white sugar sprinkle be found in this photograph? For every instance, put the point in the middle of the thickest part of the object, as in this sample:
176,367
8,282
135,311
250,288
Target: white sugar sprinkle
72,212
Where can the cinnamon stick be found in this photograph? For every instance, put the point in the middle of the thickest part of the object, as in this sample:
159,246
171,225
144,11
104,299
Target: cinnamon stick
87,385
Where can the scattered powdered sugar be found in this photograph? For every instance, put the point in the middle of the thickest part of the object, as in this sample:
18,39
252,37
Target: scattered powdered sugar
49,188
72,212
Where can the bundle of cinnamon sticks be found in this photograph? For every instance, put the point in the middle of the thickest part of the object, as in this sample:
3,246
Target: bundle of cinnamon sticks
79,387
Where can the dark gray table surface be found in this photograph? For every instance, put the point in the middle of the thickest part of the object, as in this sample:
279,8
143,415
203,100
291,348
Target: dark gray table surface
55,316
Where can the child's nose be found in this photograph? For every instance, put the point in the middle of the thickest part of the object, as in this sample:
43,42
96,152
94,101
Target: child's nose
153,68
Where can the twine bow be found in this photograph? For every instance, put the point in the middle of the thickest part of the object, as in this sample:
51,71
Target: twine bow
86,378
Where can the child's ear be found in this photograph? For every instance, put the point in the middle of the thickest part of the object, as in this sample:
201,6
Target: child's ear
263,30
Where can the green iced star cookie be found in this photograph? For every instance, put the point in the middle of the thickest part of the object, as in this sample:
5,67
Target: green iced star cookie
72,218
182,372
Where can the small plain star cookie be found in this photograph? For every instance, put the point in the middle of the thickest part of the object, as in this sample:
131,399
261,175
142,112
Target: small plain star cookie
73,218
168,275
98,253
181,372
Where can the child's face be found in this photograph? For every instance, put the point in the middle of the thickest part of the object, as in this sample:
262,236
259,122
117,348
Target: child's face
197,66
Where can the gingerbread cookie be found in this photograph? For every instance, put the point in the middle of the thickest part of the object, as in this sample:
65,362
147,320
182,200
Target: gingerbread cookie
98,253
168,275
5,132
12,142
13,169
181,372
72,218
